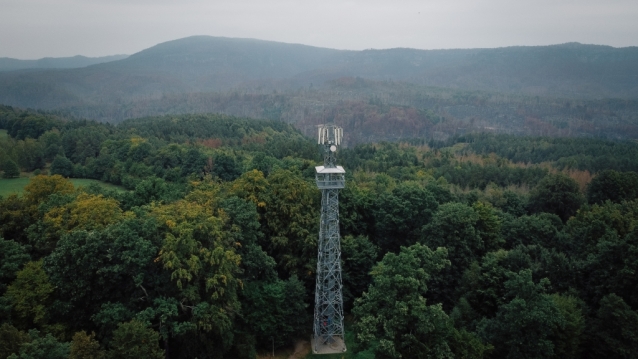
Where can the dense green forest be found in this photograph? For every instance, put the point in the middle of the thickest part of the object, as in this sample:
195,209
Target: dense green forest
474,246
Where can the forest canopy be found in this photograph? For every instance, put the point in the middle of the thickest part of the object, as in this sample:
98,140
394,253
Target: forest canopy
479,246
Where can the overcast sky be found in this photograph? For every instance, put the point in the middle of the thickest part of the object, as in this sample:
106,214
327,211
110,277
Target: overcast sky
31,29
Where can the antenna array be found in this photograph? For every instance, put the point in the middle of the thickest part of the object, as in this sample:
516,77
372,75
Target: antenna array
325,132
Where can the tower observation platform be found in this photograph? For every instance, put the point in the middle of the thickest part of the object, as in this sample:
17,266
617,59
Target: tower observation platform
328,331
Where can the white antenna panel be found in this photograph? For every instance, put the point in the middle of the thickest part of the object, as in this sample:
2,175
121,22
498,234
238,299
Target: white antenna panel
337,133
329,134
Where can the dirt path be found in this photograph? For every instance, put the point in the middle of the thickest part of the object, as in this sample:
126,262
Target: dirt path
302,349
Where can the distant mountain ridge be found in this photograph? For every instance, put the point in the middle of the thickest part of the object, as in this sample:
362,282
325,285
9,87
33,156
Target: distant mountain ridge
10,64
205,64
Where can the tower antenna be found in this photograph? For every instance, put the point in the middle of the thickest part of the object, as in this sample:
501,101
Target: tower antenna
328,332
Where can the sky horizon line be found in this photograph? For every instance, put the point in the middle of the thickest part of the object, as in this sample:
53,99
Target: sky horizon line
326,47
33,29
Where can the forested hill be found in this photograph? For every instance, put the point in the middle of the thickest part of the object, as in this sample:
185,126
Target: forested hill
205,64
9,64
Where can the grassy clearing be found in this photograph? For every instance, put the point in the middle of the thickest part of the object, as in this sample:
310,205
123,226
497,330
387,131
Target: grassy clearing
10,186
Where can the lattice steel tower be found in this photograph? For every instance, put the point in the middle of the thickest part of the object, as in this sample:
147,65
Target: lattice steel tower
328,323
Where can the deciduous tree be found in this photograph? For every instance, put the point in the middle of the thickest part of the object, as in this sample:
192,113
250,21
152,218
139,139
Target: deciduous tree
134,340
203,265
467,233
30,295
291,220
523,327
558,194
11,339
42,347
614,330
41,187
393,318
399,216
13,256
84,346
275,310
613,186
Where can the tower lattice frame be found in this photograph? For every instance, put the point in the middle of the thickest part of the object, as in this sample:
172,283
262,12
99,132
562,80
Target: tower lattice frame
328,330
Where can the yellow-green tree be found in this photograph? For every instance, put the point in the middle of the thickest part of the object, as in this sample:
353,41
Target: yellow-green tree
87,212
84,346
11,339
291,220
251,186
30,295
203,266
133,340
41,187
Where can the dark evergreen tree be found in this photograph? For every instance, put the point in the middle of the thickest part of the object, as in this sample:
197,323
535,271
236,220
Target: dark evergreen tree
225,167
193,162
558,194
613,186
10,169
614,330
62,166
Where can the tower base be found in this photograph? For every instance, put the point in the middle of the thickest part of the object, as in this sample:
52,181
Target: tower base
333,345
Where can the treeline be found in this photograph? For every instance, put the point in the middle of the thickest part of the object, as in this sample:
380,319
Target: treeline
458,167
591,154
170,148
446,252
368,110
372,111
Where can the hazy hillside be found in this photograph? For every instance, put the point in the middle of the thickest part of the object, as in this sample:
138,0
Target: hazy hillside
205,63
569,70
560,90
9,64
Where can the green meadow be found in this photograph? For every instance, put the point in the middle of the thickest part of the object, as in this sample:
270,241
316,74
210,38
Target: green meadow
16,185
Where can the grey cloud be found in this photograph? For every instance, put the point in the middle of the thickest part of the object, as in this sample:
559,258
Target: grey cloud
38,28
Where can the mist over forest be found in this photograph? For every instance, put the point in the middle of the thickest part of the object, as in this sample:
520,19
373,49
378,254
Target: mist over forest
560,90
163,204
